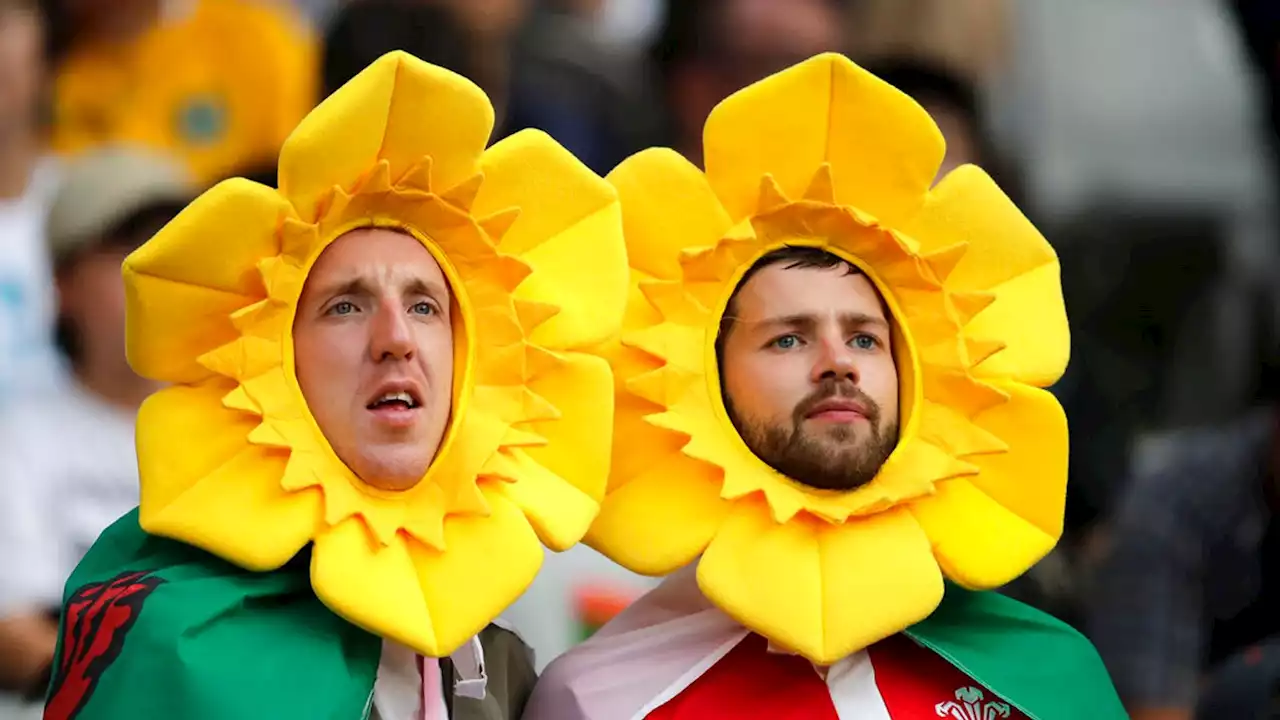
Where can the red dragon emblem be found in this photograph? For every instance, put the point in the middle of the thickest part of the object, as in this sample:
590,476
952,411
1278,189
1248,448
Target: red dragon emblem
97,618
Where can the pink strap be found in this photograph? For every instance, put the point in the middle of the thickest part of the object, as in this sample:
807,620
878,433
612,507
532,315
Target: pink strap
429,668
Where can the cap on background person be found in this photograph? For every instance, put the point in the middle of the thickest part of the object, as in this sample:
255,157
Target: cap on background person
107,195
109,203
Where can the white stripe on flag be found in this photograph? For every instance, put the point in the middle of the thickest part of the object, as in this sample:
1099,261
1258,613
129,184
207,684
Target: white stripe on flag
852,683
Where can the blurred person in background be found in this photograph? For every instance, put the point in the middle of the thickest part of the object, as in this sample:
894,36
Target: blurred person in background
27,181
1186,604
67,462
969,36
1259,23
709,49
538,65
218,83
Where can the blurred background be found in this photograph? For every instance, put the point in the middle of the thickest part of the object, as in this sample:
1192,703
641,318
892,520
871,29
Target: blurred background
1140,136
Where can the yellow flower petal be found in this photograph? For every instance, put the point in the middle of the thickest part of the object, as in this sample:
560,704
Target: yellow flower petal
569,213
428,600
206,477
662,519
182,285
577,443
375,587
494,558
990,528
883,148
821,590
667,205
1007,257
559,512
636,441
399,109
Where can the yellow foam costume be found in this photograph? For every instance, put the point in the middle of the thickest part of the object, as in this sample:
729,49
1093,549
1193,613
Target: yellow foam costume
826,155
232,461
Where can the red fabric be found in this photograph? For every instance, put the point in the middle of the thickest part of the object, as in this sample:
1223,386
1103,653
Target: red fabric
917,683
751,682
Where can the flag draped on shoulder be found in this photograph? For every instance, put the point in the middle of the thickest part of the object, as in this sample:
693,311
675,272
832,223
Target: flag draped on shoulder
1032,660
1010,657
153,628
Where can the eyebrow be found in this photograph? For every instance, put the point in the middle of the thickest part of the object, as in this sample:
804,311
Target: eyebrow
360,287
805,321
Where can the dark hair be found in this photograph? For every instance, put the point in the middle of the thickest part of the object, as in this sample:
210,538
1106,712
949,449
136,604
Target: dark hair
59,30
794,257
364,31
693,29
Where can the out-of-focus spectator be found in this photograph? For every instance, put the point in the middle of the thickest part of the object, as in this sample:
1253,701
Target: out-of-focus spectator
628,25
970,36
27,181
218,83
364,31
1259,23
709,49
1191,576
538,69
67,463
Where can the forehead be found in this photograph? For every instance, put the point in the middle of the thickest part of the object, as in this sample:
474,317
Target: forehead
777,290
376,254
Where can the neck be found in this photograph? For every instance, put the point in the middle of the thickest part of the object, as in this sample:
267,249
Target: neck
19,153
121,389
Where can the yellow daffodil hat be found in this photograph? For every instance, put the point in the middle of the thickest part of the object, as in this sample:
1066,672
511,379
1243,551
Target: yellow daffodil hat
231,459
825,154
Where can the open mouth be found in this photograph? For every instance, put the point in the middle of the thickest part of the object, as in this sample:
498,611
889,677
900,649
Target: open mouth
395,400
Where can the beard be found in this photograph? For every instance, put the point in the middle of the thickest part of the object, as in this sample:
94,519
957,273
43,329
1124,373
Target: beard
837,457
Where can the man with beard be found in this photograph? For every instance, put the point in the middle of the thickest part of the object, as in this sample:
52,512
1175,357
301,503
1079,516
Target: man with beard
806,358
830,430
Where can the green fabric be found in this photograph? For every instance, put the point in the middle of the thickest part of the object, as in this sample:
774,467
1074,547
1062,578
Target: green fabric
209,641
1031,660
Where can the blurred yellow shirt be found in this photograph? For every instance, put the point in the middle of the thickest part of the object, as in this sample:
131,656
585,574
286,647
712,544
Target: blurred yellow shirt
221,86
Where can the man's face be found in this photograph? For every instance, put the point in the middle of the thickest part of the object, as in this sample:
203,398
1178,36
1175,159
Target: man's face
809,376
373,351
91,294
91,297
22,71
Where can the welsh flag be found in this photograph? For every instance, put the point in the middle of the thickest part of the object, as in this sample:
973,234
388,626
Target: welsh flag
206,640
966,662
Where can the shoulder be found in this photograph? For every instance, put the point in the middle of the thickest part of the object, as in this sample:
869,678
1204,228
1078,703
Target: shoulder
139,608
509,660
1033,660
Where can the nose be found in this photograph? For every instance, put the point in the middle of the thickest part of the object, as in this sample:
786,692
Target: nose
834,360
390,337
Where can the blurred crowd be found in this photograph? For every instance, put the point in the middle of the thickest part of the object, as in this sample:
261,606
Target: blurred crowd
1140,135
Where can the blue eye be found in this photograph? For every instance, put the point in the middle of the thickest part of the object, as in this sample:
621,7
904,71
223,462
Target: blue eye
423,308
786,342
865,342
342,308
